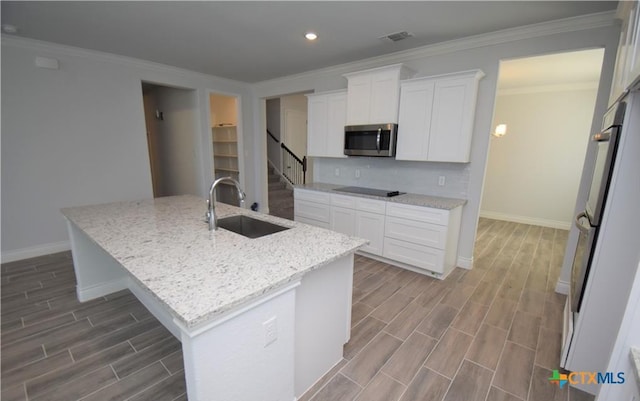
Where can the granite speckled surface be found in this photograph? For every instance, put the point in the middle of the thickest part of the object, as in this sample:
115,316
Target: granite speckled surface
166,246
634,354
435,202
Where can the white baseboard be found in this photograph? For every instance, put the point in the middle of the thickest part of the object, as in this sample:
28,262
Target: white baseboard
465,263
562,287
35,251
276,169
562,225
88,293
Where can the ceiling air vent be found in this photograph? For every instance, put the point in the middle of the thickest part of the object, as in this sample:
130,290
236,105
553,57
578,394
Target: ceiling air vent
395,37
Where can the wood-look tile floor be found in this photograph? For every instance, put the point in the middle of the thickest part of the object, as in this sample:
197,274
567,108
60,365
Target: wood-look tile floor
489,334
56,348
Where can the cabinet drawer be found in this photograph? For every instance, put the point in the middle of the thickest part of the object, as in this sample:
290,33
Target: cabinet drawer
415,255
313,196
343,201
312,210
343,220
312,222
425,214
370,205
417,232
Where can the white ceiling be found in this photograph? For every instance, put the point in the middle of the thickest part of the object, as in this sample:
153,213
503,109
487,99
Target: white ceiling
255,41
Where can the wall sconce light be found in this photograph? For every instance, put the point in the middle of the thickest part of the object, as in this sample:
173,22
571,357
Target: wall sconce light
501,130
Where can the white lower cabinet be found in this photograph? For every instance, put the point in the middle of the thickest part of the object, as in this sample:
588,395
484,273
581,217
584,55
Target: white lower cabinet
418,238
416,231
312,207
343,220
370,226
415,255
423,237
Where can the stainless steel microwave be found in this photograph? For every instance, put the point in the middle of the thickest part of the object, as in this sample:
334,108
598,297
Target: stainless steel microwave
370,140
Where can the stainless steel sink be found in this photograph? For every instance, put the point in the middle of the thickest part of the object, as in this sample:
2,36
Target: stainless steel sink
249,227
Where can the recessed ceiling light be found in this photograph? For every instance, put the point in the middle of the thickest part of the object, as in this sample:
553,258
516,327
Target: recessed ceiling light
311,36
8,28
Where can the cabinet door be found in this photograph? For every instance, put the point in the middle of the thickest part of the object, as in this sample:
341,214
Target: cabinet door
634,50
414,122
621,72
343,220
358,100
370,226
452,120
336,120
385,92
317,110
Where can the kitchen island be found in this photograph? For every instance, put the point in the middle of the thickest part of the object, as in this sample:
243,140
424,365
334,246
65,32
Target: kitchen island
258,318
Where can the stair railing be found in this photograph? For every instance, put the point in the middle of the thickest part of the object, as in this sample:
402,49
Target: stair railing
273,136
294,169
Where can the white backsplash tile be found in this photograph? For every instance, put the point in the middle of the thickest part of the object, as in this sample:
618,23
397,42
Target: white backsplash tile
391,174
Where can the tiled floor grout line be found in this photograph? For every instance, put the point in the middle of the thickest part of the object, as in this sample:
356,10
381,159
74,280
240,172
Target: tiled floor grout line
524,235
502,257
493,385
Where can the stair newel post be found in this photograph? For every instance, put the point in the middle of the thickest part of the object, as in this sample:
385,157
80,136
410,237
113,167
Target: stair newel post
304,169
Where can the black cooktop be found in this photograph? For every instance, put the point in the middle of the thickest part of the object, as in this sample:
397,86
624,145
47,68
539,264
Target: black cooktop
369,191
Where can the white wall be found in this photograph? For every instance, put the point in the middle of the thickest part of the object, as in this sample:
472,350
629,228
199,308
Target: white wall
177,142
76,136
274,155
483,52
293,123
534,171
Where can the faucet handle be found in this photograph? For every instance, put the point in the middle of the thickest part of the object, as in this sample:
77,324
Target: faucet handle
207,215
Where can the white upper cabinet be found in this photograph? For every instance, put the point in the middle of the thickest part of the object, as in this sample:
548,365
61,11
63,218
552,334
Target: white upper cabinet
634,58
436,117
627,68
373,95
327,118
416,103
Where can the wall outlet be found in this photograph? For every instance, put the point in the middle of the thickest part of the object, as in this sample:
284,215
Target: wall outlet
441,181
270,331
337,172
358,173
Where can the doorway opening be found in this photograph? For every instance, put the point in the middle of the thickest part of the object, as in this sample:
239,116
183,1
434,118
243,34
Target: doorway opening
171,122
286,122
225,140
542,123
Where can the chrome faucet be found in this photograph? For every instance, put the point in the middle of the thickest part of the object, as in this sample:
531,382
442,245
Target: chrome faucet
211,207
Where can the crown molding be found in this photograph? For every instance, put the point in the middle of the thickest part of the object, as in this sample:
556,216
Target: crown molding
560,87
71,51
573,24
590,21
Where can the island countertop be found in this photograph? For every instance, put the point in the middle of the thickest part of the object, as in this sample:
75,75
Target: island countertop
166,246
437,202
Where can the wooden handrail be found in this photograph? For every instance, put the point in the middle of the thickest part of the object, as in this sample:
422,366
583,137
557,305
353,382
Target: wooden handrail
283,146
273,136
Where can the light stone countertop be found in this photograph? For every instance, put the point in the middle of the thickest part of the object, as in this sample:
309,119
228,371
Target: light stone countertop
435,202
166,246
634,354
